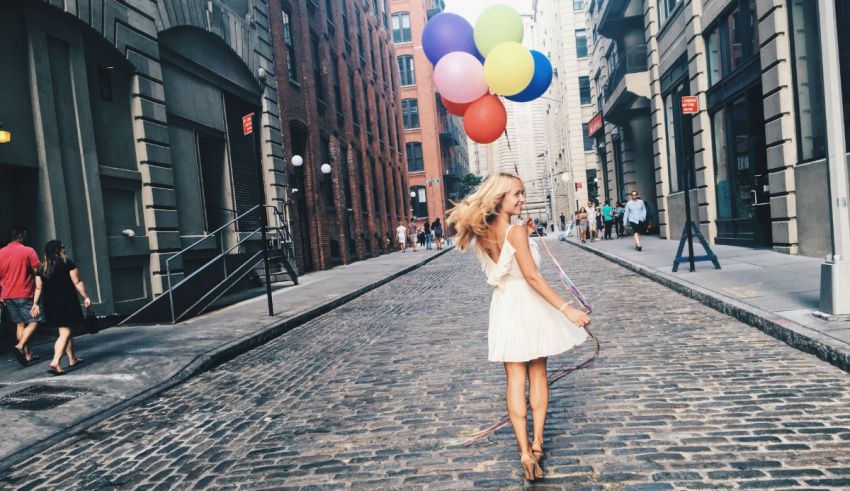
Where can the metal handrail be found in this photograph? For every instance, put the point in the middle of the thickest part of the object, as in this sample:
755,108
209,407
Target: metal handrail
281,229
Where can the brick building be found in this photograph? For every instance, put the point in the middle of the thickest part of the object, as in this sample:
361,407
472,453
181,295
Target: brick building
339,106
435,142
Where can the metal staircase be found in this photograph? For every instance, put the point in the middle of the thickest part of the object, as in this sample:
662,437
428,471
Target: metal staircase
236,253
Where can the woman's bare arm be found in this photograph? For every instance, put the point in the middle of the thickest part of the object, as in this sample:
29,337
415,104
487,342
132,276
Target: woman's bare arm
81,288
518,238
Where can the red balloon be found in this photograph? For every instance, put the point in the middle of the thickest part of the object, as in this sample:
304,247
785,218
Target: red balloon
485,119
455,108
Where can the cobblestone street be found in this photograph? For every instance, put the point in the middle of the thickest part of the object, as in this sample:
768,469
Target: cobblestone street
371,394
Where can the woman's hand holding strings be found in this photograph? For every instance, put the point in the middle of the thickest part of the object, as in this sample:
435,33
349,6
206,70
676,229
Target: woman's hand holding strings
577,317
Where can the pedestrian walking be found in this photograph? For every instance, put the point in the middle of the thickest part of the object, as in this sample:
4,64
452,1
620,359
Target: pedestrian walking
18,263
420,236
563,219
411,233
635,217
607,218
401,234
438,233
591,220
620,211
581,218
429,239
57,284
529,321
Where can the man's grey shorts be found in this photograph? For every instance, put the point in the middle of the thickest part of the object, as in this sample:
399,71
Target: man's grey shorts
19,310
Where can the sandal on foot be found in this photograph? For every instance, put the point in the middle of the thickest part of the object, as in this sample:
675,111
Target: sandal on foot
537,450
79,361
530,467
55,372
20,356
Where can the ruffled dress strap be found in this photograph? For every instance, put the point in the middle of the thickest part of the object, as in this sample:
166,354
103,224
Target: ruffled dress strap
498,272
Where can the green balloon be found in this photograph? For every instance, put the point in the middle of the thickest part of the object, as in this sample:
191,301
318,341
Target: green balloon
496,25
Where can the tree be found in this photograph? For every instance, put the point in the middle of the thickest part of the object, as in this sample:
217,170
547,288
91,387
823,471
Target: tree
469,183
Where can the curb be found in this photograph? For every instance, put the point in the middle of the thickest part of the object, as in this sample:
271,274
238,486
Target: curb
207,361
795,335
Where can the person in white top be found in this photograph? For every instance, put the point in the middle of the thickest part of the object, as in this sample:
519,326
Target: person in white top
635,216
591,220
401,233
528,320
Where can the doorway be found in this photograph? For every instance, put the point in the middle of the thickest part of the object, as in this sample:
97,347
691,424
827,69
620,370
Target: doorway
743,197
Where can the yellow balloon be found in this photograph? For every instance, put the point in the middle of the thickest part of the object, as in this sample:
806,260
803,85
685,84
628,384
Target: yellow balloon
509,68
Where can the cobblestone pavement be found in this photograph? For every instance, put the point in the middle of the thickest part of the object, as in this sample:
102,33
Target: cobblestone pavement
369,395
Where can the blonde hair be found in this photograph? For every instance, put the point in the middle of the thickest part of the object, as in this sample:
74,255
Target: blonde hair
473,216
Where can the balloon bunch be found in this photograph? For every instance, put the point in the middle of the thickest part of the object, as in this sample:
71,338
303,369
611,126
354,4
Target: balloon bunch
473,66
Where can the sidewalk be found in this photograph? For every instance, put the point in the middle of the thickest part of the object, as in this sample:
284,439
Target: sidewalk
773,292
126,365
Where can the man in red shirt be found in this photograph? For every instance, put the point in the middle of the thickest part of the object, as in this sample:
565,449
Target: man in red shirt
17,286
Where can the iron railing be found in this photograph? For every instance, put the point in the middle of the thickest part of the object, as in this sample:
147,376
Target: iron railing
632,60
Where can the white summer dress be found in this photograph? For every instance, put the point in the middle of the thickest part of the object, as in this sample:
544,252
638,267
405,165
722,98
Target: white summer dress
523,326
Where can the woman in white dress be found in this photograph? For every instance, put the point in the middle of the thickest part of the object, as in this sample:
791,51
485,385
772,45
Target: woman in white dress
529,321
401,234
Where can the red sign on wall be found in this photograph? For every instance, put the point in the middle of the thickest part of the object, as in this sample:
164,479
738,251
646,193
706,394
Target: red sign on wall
594,125
578,185
690,104
248,124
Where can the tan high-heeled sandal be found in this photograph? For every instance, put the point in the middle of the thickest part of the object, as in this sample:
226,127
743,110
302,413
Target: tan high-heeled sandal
530,466
537,450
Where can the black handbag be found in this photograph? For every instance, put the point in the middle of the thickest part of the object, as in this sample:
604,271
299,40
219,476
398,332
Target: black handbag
91,323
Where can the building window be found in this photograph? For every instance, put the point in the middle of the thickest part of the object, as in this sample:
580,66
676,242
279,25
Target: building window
104,82
327,187
317,69
808,79
581,43
289,41
410,112
679,139
415,163
337,91
584,90
733,41
401,28
368,108
406,74
359,28
588,140
372,54
419,201
665,8
344,12
578,5
355,115
842,18
329,15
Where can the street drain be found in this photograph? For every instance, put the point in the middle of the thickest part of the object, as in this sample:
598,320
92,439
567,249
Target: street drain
40,397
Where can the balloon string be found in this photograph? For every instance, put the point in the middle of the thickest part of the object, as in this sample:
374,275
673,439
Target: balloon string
504,422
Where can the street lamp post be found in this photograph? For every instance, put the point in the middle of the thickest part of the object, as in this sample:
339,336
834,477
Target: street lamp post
835,272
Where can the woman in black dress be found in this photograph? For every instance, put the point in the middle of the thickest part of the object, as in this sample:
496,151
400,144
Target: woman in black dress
57,283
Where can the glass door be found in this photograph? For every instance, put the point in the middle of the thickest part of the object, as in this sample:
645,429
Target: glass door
743,197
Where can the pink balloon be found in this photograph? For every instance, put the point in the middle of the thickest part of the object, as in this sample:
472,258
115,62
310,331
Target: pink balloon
459,77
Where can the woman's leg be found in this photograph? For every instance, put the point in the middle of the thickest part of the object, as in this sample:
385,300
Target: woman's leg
538,393
515,400
59,347
69,352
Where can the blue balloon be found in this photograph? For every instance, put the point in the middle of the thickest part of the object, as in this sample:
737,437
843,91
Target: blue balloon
447,32
539,82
